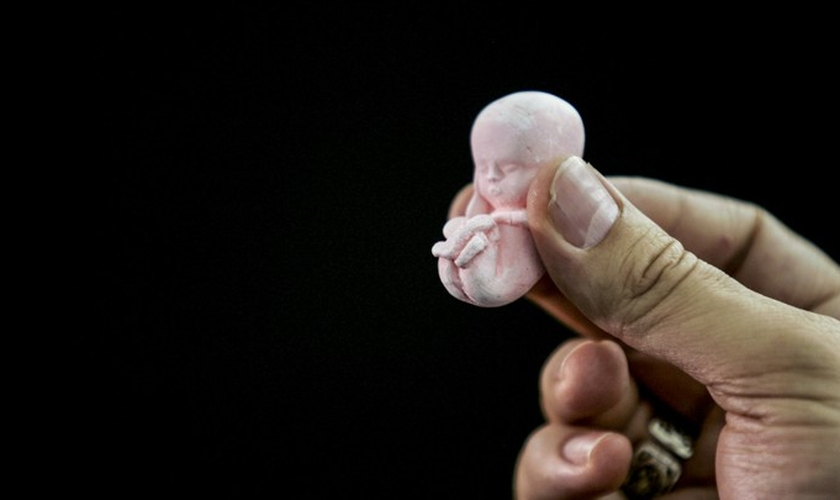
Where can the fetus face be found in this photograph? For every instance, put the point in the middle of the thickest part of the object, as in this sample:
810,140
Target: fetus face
503,166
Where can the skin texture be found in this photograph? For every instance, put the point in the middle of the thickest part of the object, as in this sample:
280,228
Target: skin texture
488,258
712,306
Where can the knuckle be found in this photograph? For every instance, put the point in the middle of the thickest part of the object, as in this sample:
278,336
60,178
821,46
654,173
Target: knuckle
653,281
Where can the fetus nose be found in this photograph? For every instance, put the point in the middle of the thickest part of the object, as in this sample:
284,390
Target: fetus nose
493,172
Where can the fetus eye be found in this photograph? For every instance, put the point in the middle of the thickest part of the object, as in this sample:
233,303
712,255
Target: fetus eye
510,167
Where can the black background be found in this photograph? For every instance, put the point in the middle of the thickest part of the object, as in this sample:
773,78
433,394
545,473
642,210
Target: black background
271,184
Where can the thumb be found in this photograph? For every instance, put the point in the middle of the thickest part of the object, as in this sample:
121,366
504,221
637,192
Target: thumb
639,284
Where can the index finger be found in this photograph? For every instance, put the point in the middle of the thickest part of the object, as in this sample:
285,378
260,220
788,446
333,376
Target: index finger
743,240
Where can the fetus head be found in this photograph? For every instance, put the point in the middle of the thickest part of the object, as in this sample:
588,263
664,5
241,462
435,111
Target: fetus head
513,137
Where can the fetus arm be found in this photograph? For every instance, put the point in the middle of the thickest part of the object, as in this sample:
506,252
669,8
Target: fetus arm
517,218
465,235
460,233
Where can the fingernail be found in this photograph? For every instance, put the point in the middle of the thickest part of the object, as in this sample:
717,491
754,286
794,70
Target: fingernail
581,208
577,449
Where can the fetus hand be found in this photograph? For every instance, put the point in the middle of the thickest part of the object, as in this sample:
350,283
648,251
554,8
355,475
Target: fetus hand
466,238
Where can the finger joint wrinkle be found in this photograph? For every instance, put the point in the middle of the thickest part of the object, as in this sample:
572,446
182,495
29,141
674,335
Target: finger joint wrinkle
662,272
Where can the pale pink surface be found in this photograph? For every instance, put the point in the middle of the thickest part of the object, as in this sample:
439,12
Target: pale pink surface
488,258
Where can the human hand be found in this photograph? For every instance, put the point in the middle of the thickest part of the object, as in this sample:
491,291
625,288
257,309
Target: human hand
715,308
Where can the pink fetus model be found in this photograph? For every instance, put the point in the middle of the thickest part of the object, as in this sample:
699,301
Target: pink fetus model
488,258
